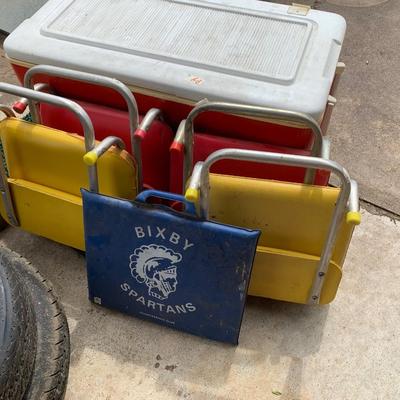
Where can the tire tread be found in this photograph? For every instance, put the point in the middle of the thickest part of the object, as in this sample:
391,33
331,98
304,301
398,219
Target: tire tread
50,372
18,348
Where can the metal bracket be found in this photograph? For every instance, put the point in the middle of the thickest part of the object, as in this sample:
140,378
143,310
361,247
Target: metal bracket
340,68
328,114
4,187
298,9
6,197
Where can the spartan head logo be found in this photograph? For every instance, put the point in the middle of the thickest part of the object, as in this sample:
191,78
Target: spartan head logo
156,267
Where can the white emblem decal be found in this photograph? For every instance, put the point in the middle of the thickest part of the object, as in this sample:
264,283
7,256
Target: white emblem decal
155,266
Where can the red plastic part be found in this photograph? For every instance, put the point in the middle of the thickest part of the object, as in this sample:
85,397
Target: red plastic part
222,131
111,122
214,123
140,134
177,147
19,107
205,144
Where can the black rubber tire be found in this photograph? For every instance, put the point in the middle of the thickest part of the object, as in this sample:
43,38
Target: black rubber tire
17,333
3,223
50,371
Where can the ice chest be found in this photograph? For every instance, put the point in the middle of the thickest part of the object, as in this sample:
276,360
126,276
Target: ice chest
166,266
173,53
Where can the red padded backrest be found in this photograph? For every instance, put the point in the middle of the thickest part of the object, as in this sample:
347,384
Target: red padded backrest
205,144
174,111
112,122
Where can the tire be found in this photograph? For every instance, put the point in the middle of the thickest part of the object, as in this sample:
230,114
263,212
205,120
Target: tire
17,333
51,367
3,223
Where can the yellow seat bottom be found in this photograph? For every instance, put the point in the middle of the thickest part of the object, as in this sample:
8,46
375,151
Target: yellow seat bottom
288,275
47,212
46,173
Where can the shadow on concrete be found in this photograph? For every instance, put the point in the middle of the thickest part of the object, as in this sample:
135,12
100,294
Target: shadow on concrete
271,330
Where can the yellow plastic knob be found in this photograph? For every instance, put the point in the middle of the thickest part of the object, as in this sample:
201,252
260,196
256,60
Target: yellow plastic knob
90,158
353,217
192,195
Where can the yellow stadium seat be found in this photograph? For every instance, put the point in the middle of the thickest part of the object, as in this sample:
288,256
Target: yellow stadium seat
45,174
301,225
294,220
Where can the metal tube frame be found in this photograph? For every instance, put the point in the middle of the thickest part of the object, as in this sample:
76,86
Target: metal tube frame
148,119
326,148
6,197
251,111
86,77
107,143
102,148
4,188
40,87
75,108
354,199
348,196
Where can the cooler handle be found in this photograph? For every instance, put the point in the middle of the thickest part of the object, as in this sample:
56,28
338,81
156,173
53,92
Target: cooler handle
146,194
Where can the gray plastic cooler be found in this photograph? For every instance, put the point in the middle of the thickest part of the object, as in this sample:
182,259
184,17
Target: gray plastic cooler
242,51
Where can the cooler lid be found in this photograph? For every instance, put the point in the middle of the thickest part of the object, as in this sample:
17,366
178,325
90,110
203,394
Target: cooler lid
244,51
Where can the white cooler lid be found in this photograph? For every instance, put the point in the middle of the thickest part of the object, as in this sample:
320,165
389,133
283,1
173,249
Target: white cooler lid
243,51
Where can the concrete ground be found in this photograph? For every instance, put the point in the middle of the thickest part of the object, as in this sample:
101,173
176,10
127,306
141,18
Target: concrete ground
12,13
349,350
365,124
